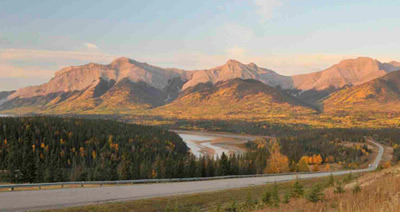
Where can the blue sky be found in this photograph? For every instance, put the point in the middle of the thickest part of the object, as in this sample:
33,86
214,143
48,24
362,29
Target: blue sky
38,38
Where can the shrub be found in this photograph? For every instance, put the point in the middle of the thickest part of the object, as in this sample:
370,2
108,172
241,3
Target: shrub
331,181
339,188
315,194
356,189
297,189
286,198
271,197
348,178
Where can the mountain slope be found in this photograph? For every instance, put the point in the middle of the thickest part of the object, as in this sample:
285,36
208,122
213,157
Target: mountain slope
346,73
105,97
78,78
130,86
318,85
380,95
233,99
233,69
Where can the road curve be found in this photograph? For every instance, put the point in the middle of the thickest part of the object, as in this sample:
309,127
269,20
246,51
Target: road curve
60,198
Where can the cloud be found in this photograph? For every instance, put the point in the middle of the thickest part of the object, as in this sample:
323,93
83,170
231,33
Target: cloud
236,51
40,65
33,54
235,34
91,46
266,8
10,71
285,64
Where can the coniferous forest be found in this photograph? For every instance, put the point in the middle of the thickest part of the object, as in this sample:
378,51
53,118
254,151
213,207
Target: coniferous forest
50,149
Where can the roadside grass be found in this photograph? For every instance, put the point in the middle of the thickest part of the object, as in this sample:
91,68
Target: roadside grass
209,201
375,191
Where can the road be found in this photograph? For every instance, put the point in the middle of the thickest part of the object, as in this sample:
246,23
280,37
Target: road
61,198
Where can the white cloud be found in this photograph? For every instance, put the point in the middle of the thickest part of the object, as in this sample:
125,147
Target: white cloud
285,64
91,46
42,64
236,52
11,71
266,8
33,54
234,33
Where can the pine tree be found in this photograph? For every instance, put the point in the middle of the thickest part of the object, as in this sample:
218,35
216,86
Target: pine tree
331,181
28,168
286,197
271,196
297,189
315,194
224,168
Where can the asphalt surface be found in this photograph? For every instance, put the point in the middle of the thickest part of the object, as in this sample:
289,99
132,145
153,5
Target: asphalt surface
61,198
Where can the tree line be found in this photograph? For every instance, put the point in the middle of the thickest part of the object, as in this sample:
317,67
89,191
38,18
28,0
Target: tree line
50,149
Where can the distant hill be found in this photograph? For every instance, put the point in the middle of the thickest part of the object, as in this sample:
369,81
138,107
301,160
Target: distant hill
233,99
379,95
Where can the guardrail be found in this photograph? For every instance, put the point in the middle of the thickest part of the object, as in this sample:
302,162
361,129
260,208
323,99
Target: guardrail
12,187
142,181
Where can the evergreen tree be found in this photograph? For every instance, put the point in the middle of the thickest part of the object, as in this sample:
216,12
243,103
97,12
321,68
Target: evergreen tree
224,168
339,188
331,181
315,194
271,196
297,189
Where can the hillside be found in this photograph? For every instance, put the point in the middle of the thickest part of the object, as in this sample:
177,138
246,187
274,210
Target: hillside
379,95
347,72
233,69
233,99
315,86
78,78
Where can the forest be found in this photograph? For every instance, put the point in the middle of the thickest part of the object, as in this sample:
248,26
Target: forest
51,149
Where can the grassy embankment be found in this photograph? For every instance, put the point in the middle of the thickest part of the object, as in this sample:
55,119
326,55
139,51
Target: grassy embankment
374,191
249,197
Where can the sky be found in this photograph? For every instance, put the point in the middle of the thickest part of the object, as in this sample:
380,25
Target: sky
37,38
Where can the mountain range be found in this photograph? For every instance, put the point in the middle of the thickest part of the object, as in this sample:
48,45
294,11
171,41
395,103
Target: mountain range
233,90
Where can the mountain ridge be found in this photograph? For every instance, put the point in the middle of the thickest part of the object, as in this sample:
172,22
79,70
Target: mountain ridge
126,84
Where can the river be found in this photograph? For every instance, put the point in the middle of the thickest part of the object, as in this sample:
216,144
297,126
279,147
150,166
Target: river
214,144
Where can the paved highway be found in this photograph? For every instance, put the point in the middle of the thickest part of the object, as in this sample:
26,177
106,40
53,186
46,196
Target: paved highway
60,198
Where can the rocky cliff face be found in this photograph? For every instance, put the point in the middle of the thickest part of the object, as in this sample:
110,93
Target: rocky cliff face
234,69
346,73
77,78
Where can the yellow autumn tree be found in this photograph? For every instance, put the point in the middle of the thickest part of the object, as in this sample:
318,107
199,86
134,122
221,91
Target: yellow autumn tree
316,167
302,165
310,160
327,167
277,162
